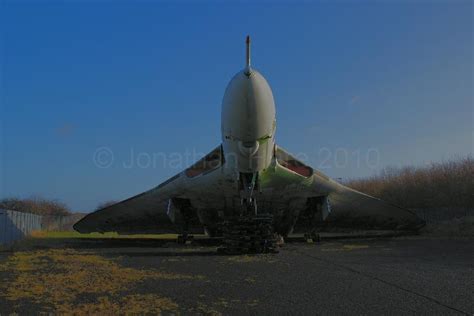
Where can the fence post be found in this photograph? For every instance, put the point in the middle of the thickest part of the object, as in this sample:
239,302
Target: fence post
2,226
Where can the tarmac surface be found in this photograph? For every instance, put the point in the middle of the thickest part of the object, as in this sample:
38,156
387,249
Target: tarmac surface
401,275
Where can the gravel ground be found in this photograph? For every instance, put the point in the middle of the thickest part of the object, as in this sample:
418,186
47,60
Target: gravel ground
402,275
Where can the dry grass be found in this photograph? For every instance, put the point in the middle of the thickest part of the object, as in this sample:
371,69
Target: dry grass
65,281
447,184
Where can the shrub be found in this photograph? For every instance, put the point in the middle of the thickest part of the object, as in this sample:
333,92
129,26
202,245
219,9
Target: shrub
105,204
445,184
36,205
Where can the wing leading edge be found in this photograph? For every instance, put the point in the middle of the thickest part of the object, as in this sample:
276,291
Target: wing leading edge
143,213
153,211
350,208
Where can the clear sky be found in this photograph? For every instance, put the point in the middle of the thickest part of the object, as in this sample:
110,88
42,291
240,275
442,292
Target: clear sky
358,87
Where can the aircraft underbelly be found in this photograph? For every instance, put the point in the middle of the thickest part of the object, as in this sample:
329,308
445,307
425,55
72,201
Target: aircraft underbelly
215,205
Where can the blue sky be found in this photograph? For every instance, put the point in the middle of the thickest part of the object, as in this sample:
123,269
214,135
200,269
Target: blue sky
358,87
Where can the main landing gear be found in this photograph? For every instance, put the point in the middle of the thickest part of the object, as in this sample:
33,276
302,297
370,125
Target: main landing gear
251,231
248,234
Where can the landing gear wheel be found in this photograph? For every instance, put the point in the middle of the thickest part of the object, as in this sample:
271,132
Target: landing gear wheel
248,234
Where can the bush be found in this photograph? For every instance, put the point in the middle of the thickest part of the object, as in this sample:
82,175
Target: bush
105,204
35,205
446,184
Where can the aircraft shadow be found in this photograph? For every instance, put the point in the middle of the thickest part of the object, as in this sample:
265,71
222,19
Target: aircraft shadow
132,243
172,253
143,247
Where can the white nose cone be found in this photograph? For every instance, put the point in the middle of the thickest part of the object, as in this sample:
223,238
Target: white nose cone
248,108
248,121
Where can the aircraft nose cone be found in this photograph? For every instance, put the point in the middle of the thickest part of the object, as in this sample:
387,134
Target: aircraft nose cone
248,121
248,108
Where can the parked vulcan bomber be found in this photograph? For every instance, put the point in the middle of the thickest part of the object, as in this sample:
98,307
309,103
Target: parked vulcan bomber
248,189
